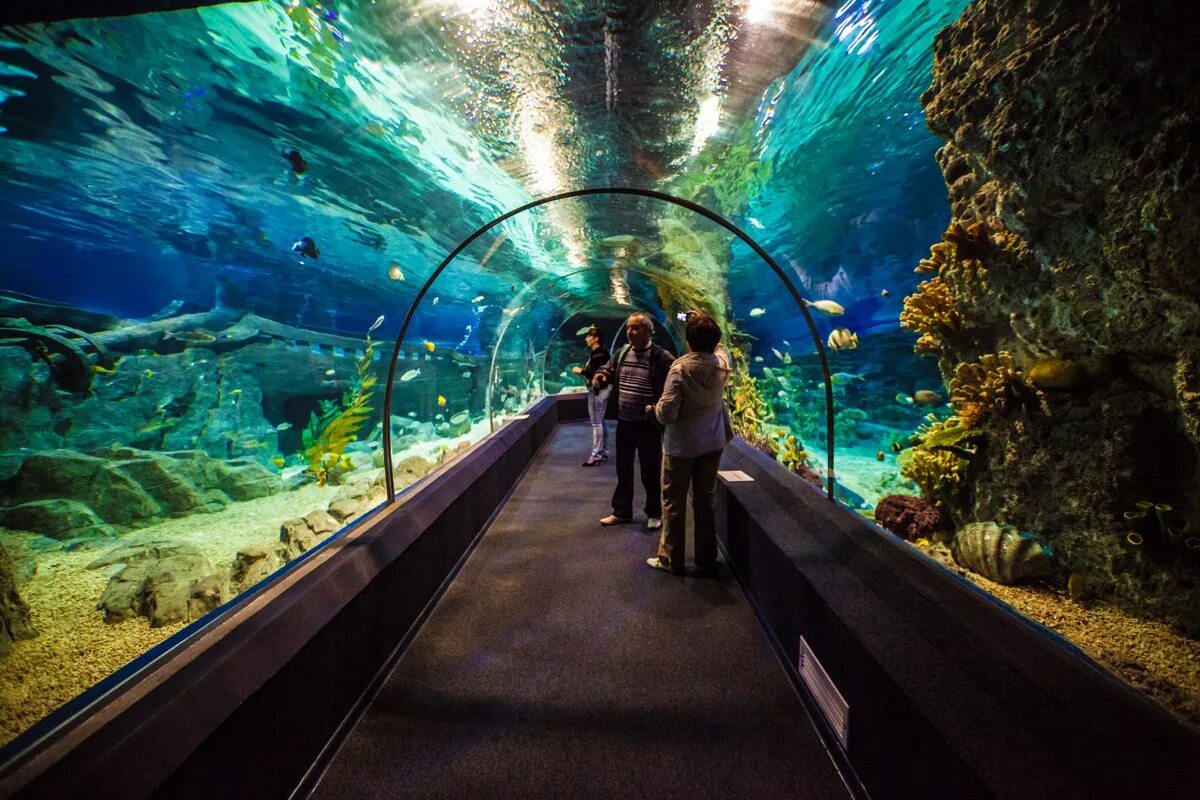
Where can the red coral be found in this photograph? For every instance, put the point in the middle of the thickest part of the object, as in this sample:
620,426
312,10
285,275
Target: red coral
911,517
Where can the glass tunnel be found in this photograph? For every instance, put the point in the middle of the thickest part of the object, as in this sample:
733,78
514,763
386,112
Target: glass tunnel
216,221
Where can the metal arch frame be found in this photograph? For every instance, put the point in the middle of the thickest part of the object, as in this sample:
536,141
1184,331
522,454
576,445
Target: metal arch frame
654,195
538,287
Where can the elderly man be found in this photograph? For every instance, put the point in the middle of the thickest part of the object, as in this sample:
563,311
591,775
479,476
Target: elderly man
636,373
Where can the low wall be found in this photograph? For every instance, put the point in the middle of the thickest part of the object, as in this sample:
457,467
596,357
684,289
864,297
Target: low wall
951,693
246,705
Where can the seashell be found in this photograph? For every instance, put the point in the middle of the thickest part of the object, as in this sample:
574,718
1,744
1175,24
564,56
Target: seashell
1057,373
1001,553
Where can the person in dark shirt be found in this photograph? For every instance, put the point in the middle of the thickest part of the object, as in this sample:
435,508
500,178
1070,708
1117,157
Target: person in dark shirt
636,374
597,398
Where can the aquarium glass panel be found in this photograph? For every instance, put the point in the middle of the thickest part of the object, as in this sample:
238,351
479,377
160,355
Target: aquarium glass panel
216,220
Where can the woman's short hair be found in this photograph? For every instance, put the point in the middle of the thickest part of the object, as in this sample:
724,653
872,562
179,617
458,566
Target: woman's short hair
703,334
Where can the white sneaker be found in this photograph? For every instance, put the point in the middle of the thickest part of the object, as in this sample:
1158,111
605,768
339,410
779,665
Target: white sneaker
653,523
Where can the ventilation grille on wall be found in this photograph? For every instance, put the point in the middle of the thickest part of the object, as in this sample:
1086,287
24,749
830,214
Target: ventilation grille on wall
833,706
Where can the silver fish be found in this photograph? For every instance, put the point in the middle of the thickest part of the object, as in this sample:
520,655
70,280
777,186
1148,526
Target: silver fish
376,324
757,312
408,376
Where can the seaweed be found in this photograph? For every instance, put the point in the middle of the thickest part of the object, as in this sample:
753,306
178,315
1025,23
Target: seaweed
327,435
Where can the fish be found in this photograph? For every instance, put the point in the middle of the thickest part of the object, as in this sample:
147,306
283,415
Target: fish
157,424
826,307
375,128
394,272
299,165
467,374
307,247
197,336
904,399
583,330
757,312
408,376
252,444
149,373
879,456
430,346
375,325
331,372
283,426
436,300
897,447
758,359
411,413
842,339
845,377
99,370
924,397
781,393
278,461
778,354
477,299
1077,587
884,293
236,393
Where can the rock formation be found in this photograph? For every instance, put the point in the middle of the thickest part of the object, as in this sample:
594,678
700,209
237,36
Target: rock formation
14,612
65,494
1074,177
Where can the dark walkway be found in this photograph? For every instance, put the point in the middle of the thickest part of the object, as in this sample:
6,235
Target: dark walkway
559,665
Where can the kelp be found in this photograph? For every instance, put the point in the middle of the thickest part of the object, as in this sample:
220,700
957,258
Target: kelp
328,434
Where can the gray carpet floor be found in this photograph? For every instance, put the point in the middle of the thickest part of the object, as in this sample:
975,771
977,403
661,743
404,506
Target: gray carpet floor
559,665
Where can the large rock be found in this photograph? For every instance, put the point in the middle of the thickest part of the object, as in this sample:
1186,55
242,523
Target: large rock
178,588
303,533
14,611
138,552
129,487
1071,162
252,565
57,519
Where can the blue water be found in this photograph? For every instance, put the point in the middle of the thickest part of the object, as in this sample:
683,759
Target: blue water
142,164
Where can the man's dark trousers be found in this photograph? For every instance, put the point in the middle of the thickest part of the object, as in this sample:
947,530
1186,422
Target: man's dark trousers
646,439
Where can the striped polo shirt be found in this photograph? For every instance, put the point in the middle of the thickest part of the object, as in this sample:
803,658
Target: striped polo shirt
635,386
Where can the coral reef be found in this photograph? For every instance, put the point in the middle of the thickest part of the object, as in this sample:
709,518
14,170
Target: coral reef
912,518
1001,553
1072,175
937,473
985,387
932,312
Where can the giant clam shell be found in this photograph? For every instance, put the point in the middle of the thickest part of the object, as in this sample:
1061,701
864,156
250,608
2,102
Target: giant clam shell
1001,553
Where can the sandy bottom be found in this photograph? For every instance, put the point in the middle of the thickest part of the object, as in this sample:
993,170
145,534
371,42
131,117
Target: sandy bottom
1150,656
863,473
75,648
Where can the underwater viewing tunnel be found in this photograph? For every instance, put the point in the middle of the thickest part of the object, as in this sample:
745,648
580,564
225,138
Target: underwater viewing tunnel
294,297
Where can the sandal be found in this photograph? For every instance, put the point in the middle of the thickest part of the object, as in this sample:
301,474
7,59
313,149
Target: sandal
592,461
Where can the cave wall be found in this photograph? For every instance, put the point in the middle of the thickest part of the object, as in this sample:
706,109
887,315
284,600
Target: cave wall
1072,133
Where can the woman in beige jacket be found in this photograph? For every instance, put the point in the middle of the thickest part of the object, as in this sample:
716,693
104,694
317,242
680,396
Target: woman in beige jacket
692,409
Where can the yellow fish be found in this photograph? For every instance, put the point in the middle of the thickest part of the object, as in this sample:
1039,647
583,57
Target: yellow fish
441,400
826,307
149,373
278,461
99,370
430,346
394,272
